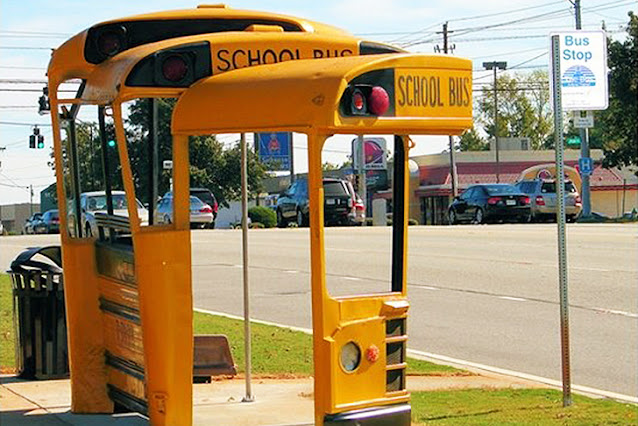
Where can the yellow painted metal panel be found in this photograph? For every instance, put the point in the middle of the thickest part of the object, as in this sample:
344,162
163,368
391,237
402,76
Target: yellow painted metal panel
301,95
163,265
85,334
433,92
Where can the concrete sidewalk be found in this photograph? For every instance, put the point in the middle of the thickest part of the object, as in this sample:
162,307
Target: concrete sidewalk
277,402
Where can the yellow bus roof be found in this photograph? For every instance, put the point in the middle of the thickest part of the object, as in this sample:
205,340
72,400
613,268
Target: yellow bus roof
305,96
68,61
107,81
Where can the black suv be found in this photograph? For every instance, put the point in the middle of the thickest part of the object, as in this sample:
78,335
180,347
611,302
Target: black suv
292,204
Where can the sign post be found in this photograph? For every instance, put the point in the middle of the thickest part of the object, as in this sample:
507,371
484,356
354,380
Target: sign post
560,219
583,59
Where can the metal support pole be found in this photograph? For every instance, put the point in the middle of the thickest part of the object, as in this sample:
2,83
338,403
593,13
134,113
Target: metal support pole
498,164
453,173
106,168
153,159
560,220
244,239
363,190
75,176
584,137
292,159
31,199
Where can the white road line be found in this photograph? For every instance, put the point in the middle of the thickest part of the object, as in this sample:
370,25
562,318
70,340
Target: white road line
291,271
586,390
427,356
516,299
351,278
425,287
615,312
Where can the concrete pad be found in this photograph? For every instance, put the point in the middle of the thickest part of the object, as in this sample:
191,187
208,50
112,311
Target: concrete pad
276,402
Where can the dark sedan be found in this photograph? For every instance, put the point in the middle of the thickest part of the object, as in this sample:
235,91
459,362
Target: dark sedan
48,224
490,203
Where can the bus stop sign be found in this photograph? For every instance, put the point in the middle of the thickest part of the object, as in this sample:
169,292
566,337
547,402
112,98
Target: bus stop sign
583,69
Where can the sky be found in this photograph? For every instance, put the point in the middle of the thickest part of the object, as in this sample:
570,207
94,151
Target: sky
516,31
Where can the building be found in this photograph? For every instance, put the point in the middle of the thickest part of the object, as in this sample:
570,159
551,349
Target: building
613,191
14,216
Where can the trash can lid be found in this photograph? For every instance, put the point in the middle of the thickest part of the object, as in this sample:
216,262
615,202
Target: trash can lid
53,253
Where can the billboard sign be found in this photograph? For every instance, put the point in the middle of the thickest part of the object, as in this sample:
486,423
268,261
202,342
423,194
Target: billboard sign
274,149
375,154
583,69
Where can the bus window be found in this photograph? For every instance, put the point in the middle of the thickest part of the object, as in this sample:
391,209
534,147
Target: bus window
348,206
150,156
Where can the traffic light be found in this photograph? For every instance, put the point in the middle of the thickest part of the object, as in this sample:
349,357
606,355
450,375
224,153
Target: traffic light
111,143
43,102
36,140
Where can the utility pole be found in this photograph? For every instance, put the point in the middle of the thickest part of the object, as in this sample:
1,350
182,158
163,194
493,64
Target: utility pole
584,138
31,200
496,66
455,180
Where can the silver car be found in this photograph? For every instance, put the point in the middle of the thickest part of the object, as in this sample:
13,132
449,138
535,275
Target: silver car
95,202
542,194
201,214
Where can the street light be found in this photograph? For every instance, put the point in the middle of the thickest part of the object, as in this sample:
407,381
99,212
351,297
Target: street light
494,65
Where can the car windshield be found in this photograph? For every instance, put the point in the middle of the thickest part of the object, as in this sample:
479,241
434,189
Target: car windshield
196,203
204,196
550,187
98,202
501,189
334,188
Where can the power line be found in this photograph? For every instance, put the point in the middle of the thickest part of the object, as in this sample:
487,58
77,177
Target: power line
14,123
507,12
26,48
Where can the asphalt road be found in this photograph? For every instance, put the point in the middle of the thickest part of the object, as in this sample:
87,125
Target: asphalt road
485,294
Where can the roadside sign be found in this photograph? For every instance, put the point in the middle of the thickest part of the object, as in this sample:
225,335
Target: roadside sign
274,149
583,119
167,164
375,154
586,166
573,141
583,69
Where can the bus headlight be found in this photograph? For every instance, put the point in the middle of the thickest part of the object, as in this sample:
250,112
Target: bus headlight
350,356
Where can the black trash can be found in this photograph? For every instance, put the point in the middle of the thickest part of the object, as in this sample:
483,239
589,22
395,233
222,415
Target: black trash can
39,315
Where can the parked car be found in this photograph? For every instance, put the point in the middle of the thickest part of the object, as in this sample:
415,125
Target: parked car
490,202
542,193
292,204
201,214
207,197
95,202
358,214
29,225
49,223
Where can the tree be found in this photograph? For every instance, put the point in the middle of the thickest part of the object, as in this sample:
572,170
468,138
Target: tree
523,108
470,140
211,164
618,123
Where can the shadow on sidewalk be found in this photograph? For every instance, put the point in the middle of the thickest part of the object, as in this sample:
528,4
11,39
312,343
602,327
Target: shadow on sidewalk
41,417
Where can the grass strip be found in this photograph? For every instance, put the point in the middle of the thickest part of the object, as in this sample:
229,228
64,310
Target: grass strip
7,332
276,351
537,407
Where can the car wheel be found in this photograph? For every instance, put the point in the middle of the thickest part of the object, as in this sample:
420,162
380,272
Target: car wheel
281,222
300,219
479,216
451,216
167,219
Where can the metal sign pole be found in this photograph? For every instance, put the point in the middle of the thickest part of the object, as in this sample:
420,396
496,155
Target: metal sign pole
244,240
560,219
363,190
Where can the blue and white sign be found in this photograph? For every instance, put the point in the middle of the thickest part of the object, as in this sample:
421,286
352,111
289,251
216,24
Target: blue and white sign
274,149
583,68
585,166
